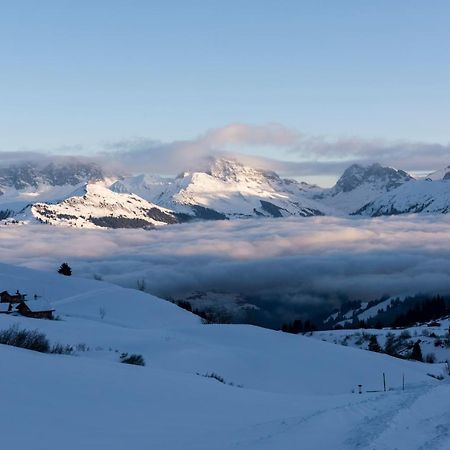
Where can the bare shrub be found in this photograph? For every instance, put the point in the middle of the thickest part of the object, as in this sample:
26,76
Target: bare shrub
29,339
137,360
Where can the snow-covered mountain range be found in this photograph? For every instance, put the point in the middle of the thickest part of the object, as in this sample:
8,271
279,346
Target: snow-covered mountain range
79,194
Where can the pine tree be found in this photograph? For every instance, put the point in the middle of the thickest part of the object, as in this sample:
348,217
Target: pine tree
65,269
390,346
374,346
417,351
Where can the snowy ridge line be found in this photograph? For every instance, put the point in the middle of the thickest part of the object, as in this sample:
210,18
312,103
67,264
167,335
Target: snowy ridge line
227,190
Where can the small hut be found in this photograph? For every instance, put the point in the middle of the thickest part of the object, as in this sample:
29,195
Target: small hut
37,309
6,297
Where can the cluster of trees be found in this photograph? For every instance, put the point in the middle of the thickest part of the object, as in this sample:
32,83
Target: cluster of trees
121,222
424,311
399,346
412,310
297,326
208,315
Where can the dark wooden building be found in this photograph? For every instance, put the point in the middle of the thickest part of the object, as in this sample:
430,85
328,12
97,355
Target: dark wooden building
6,297
35,309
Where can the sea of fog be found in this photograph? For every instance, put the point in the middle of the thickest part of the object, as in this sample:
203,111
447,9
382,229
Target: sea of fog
282,264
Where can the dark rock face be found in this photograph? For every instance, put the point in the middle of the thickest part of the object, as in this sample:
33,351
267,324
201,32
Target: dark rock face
273,210
357,175
5,213
26,175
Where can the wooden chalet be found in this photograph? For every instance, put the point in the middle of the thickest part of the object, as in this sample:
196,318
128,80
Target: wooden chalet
17,304
6,297
37,309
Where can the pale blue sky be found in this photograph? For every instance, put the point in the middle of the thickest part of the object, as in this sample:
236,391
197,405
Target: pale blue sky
86,72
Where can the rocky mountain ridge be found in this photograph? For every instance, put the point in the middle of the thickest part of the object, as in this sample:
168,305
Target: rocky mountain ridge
78,194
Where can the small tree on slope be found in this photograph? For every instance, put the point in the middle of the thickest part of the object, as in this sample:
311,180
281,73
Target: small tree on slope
374,346
65,269
417,352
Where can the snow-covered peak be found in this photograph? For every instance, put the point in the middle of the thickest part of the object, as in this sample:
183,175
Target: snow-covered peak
356,175
30,175
136,184
442,174
227,189
234,171
359,185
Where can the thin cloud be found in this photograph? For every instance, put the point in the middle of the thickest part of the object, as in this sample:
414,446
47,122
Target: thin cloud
407,155
303,155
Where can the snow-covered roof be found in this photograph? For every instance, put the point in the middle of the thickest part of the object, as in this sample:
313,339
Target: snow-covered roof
38,305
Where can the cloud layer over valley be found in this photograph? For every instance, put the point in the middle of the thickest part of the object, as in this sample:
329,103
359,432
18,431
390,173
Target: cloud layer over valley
283,264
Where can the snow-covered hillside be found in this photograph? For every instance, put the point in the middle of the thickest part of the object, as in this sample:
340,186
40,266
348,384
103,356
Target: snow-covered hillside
284,387
418,196
434,338
94,205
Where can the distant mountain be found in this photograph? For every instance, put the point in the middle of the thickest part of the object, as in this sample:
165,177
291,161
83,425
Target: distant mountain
96,206
384,178
79,194
227,189
360,185
29,182
443,174
31,176
419,196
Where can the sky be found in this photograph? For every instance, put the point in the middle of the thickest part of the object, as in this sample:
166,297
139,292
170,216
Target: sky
81,76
